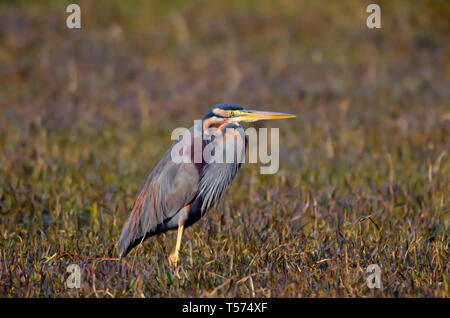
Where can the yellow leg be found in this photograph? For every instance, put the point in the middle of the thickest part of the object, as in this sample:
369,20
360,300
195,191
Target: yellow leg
173,257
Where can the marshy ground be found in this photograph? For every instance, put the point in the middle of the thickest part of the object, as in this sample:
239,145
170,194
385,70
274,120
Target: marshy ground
364,169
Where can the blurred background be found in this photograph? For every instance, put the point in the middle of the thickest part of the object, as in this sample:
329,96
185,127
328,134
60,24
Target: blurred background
85,113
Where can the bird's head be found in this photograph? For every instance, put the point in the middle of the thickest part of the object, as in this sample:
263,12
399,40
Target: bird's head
223,114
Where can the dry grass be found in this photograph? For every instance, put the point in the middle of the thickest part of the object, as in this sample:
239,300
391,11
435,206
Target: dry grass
365,169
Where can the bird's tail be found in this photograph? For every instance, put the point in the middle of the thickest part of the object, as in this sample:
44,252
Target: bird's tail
141,223
136,228
129,237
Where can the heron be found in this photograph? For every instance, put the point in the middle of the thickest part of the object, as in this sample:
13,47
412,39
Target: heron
176,194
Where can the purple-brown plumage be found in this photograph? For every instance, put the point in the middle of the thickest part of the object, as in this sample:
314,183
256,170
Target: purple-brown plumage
176,195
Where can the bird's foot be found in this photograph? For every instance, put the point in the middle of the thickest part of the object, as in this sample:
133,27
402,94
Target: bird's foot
173,260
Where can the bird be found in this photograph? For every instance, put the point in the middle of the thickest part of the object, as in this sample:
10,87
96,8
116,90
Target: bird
176,194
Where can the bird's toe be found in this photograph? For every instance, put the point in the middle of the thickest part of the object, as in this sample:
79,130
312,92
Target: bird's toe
173,260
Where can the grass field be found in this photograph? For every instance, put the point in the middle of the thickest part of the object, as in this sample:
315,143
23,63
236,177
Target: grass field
364,169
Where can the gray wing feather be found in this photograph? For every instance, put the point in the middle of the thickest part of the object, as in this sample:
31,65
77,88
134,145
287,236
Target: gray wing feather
168,188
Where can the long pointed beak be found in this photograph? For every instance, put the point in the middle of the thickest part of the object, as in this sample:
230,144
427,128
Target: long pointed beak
254,115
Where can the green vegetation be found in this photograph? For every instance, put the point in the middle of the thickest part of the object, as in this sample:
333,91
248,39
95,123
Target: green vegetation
364,170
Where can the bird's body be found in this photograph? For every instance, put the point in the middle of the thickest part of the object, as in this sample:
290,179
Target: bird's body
175,191
177,194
